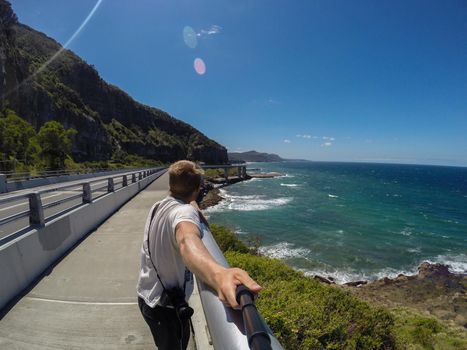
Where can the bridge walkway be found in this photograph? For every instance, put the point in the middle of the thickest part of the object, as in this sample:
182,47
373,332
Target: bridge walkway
88,299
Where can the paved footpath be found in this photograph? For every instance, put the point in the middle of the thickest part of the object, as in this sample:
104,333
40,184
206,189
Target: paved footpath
88,300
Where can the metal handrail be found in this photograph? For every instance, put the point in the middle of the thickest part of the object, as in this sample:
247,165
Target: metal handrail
13,198
62,187
36,207
19,176
61,201
226,325
14,217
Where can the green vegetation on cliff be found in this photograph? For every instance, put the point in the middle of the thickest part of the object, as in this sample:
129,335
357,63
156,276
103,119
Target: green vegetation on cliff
306,314
21,146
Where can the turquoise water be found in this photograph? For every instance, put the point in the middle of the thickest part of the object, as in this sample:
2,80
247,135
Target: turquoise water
352,221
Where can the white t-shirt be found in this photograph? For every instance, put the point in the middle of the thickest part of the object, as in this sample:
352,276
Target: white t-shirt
164,250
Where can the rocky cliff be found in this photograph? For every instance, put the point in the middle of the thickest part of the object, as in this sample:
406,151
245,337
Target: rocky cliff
70,91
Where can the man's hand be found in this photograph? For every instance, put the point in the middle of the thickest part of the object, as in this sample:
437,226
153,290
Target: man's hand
227,282
198,259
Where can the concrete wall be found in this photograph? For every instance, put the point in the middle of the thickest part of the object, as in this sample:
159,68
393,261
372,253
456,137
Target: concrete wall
6,186
25,258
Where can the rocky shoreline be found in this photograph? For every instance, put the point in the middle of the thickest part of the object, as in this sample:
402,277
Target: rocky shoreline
434,290
214,184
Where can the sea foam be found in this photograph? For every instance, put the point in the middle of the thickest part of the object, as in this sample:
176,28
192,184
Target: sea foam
456,263
341,276
284,250
247,202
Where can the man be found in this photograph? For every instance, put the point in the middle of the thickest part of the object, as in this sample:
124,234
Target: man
172,249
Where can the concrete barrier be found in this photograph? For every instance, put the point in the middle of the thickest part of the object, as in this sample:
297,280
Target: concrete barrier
21,185
25,258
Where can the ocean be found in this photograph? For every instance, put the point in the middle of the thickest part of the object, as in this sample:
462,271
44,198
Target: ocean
352,221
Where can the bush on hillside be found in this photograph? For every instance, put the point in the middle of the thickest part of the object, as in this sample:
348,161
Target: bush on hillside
227,240
304,314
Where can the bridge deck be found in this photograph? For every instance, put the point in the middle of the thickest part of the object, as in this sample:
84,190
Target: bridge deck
87,301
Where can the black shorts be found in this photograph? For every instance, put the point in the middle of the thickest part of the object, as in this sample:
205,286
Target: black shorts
168,331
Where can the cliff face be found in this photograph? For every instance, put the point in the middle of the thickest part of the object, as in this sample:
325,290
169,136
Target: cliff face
71,91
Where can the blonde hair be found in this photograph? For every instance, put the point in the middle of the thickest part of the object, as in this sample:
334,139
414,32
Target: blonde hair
184,178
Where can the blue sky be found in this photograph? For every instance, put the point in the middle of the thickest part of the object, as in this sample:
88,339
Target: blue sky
382,81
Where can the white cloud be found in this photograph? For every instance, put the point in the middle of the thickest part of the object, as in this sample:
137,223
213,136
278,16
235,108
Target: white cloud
304,136
326,144
214,29
328,138
287,141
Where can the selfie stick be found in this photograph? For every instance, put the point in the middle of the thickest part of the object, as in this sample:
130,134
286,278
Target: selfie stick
255,329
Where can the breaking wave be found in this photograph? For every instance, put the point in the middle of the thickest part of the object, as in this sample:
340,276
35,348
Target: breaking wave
284,250
247,203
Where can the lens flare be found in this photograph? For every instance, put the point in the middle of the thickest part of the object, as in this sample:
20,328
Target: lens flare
59,52
200,66
189,37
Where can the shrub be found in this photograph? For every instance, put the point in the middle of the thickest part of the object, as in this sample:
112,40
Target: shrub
227,240
415,331
305,314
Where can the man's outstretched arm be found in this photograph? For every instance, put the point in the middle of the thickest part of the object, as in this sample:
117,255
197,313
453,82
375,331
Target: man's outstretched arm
199,261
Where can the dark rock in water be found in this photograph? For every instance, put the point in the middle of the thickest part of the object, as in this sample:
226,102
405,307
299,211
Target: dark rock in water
322,279
356,283
427,270
211,199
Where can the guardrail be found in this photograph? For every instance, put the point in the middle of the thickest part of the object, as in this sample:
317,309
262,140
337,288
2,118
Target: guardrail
27,175
27,253
82,193
227,327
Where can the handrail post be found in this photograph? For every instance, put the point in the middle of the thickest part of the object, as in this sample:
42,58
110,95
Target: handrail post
110,185
87,193
133,177
140,176
2,183
36,212
125,181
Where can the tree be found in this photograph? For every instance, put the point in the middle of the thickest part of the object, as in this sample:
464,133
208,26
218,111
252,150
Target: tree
16,138
55,143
